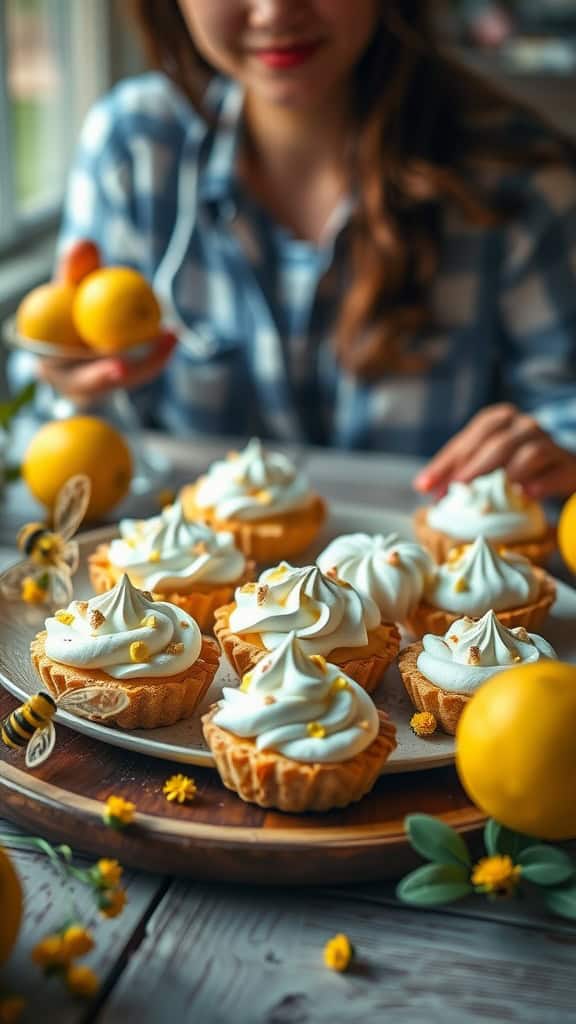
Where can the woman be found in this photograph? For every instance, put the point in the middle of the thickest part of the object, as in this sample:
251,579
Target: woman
356,243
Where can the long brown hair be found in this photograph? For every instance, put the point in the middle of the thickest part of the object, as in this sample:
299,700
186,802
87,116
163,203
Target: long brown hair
417,138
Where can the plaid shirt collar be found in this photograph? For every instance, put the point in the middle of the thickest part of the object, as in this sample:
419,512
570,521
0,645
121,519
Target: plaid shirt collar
219,180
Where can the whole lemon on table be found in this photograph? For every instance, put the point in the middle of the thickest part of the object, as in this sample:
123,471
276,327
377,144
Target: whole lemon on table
567,533
10,906
80,444
516,749
115,308
45,314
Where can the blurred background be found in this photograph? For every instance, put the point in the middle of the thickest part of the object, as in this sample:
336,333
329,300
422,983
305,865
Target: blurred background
57,56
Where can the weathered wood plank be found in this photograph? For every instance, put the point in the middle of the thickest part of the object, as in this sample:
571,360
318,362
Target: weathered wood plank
47,908
223,955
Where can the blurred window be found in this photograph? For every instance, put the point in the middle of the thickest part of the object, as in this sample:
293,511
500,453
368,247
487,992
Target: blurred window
49,74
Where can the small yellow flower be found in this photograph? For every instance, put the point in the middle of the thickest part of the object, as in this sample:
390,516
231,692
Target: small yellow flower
11,1009
77,941
31,592
66,618
338,953
51,952
496,874
118,812
113,902
82,981
110,872
423,723
179,788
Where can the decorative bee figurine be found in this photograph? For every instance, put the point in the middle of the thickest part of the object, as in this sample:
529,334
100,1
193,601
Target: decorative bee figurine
31,724
45,577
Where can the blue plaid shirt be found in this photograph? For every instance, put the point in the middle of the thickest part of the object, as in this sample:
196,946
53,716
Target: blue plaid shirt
155,186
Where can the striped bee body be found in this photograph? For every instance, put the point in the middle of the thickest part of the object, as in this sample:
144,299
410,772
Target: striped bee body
18,728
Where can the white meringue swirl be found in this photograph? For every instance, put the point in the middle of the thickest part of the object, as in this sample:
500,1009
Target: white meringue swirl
324,613
168,553
301,707
478,578
253,484
489,506
393,572
103,631
472,651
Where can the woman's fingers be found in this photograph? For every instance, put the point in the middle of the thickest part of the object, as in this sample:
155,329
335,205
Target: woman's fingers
532,459
558,480
502,436
498,449
93,379
443,467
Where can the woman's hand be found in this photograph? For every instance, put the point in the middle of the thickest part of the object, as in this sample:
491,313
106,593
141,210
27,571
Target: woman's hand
501,435
84,381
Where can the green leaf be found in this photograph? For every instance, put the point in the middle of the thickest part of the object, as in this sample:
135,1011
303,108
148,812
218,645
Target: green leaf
434,884
9,409
12,472
546,865
499,839
491,833
562,901
436,841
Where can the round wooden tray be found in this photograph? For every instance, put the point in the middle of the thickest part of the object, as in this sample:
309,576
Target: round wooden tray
218,836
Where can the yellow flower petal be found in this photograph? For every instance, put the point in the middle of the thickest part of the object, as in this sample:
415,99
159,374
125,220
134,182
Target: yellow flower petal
77,941
112,902
118,812
423,723
82,981
338,953
496,874
50,952
179,789
110,872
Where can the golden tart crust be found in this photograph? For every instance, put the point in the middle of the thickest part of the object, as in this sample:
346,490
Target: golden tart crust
153,701
265,540
366,665
269,779
538,550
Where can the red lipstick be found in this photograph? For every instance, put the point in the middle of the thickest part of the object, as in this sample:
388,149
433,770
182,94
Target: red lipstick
286,57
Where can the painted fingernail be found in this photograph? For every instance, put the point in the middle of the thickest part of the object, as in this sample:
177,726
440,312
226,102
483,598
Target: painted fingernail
116,372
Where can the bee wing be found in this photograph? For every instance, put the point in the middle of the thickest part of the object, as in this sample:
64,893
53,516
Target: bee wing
71,504
69,557
11,580
41,746
94,702
60,587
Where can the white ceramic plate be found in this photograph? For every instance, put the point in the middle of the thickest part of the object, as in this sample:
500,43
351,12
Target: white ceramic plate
184,742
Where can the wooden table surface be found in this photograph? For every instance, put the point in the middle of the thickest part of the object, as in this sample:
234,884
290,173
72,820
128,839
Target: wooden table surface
220,954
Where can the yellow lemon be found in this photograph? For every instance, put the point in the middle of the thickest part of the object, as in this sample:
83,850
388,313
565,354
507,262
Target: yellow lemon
45,314
11,904
115,308
567,533
516,749
80,444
